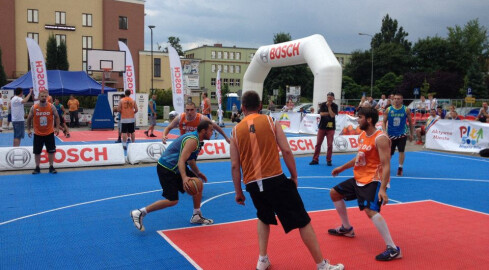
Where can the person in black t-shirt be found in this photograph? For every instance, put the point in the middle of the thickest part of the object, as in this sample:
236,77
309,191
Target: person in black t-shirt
327,126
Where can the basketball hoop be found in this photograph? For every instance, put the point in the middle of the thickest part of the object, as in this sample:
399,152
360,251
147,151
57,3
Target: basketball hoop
107,72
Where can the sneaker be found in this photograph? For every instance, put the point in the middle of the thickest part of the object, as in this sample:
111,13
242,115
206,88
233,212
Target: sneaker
341,231
68,135
199,219
330,163
146,133
419,142
37,170
263,264
153,136
389,254
137,219
128,140
124,147
399,171
118,141
52,170
328,266
313,162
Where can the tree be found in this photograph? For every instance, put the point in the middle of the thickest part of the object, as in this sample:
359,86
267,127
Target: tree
387,84
175,43
51,53
390,33
281,37
431,54
475,80
62,57
359,68
3,76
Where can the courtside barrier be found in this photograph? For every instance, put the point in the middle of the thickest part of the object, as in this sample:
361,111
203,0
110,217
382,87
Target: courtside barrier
458,136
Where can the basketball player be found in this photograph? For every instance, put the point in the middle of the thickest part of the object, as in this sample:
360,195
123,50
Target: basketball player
174,174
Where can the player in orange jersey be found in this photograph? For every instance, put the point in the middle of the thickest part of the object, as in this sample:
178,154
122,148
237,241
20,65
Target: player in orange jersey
371,175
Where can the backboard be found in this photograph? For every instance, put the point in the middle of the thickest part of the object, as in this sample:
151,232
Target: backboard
98,60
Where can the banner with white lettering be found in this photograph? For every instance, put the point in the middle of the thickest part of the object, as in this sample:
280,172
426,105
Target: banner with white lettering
142,114
176,79
22,158
129,76
290,121
458,136
38,67
218,96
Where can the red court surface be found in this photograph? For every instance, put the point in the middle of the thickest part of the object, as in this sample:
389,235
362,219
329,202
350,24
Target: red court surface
431,236
107,135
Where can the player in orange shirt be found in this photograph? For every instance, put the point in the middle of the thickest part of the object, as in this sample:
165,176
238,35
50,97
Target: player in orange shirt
254,151
371,175
73,106
45,120
128,109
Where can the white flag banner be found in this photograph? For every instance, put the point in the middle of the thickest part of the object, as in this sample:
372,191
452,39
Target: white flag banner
38,67
458,136
218,96
176,79
129,75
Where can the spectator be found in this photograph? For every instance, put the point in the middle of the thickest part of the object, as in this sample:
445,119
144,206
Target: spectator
381,105
289,106
483,115
151,117
311,110
422,105
271,106
73,106
372,102
433,103
18,114
9,117
440,112
61,113
429,122
452,114
327,126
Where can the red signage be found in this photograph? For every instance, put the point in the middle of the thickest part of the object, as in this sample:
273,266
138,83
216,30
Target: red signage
284,51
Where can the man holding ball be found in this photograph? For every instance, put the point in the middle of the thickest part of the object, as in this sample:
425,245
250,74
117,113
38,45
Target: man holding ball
175,176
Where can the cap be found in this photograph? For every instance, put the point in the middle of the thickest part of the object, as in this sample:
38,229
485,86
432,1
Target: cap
331,94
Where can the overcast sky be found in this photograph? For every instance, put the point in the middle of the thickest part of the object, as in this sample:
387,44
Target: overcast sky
252,23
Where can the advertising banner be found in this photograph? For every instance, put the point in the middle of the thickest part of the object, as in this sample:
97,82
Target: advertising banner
38,67
176,79
218,96
129,76
22,158
290,121
458,136
142,114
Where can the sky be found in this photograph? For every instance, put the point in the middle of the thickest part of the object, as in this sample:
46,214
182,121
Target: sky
251,23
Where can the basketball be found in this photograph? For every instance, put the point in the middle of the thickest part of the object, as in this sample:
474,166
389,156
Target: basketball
196,186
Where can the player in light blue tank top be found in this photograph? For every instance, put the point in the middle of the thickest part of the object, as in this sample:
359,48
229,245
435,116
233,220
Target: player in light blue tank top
169,158
396,119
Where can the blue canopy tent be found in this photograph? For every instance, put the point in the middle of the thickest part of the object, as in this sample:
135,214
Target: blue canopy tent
62,83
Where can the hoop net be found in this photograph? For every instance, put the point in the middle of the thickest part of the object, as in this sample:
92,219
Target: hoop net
107,72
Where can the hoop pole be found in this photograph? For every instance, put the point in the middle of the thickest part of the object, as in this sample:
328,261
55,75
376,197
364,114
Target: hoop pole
103,82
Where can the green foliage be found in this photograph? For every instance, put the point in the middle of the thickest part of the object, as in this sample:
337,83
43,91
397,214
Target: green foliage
3,76
62,57
387,84
475,80
390,33
163,97
431,54
351,89
175,43
51,53
224,92
425,88
281,37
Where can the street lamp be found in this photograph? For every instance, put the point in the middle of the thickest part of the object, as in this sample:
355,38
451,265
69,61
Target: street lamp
152,60
372,70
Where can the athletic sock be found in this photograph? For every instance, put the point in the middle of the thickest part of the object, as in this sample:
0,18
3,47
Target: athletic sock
143,211
196,211
400,165
381,226
321,264
263,257
341,209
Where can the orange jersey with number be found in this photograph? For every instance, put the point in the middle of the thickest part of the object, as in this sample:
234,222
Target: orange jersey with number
127,106
207,106
186,126
367,163
257,146
43,119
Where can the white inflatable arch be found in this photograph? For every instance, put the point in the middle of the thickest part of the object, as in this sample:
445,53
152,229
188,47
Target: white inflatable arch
312,50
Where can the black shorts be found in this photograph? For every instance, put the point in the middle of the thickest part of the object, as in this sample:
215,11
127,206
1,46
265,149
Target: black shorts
127,128
400,143
279,196
40,141
367,196
170,182
61,120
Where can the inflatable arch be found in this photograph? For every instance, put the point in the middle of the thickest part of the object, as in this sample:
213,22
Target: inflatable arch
312,50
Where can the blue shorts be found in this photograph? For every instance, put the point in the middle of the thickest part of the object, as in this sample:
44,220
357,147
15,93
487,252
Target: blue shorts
367,196
19,130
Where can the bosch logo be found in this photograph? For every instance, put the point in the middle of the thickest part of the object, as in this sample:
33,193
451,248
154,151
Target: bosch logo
341,143
155,150
18,158
264,55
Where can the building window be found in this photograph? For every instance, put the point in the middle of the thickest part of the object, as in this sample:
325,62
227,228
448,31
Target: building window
34,36
213,95
231,82
122,22
213,68
225,81
33,15
226,55
59,39
231,55
219,55
238,56
238,82
123,40
86,19
219,67
251,55
60,17
213,81
213,54
157,67
225,68
238,69
231,69
86,45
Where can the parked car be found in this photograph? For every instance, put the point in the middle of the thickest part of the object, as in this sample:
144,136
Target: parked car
305,106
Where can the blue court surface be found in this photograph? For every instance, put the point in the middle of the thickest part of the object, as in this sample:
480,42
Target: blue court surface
80,219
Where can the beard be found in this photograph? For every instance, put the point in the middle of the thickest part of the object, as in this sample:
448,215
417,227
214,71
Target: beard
364,126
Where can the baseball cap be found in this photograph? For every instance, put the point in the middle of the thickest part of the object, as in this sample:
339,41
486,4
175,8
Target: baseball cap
331,94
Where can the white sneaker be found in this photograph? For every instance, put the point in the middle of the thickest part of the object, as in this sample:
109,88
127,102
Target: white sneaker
263,264
199,219
328,266
137,219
